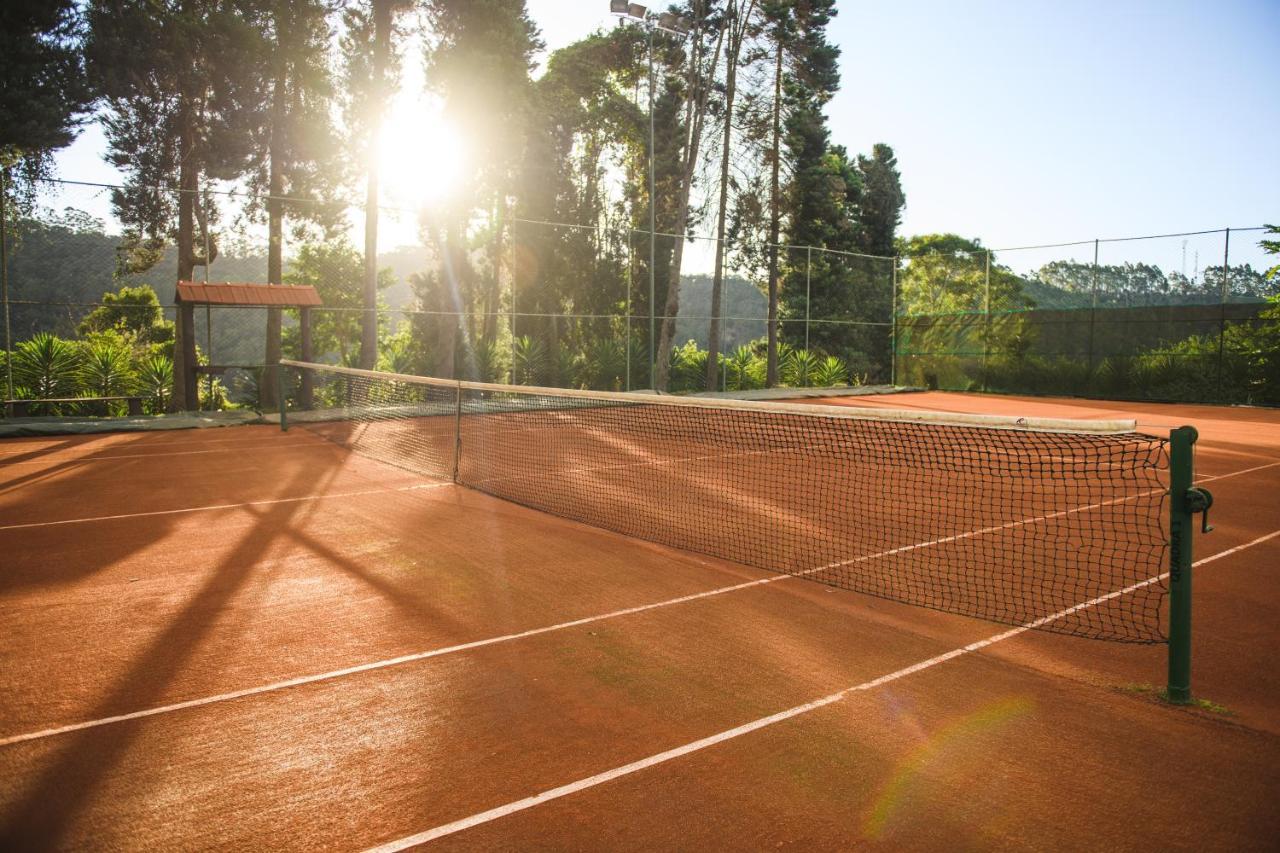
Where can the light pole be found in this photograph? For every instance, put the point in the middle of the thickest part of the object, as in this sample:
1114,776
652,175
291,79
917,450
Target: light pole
668,23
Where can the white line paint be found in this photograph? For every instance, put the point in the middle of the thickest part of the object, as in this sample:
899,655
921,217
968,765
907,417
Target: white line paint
51,459
755,725
382,664
212,507
431,653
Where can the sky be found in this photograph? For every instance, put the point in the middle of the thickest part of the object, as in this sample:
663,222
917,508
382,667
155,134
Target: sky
1033,122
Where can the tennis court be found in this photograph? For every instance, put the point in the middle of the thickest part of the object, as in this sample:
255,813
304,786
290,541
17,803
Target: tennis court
481,621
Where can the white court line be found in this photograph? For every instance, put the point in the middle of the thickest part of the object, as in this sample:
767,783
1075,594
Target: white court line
754,725
431,653
291,445
381,664
211,507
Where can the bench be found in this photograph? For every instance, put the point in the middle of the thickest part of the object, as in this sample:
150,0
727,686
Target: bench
22,408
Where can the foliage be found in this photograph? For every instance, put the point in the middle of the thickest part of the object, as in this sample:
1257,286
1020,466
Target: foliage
1128,284
106,365
135,311
45,366
744,369
155,381
830,372
948,274
1272,247
602,366
45,90
529,357
799,367
335,269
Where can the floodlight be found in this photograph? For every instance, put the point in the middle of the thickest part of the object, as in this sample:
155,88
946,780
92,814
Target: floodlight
618,7
635,10
672,23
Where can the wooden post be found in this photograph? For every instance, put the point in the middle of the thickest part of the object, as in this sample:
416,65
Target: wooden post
190,401
305,392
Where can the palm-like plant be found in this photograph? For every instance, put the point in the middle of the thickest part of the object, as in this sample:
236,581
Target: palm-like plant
530,360
799,366
155,379
46,366
744,370
602,366
831,371
106,369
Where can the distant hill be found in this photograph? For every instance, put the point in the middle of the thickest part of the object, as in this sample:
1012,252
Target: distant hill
740,299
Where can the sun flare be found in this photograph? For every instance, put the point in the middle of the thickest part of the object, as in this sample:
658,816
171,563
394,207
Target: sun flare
420,156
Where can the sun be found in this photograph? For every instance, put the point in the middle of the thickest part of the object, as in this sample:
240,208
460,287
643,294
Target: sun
421,156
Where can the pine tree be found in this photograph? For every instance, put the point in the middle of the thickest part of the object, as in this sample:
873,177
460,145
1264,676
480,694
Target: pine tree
371,72
478,63
297,166
180,82
44,90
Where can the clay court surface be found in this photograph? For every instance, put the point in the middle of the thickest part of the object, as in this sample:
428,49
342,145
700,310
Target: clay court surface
243,638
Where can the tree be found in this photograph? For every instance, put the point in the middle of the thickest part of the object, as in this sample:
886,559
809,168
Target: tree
478,63
582,119
44,90
705,41
881,201
371,74
738,24
818,200
335,269
181,88
948,274
298,165
134,310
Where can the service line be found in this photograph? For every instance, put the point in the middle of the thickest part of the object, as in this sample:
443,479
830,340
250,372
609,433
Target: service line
746,728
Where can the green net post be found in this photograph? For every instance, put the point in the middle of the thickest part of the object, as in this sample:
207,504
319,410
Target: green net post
1185,500
280,397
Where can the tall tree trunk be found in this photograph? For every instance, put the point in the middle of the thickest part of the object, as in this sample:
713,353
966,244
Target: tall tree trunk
185,396
775,221
736,34
695,114
381,55
275,235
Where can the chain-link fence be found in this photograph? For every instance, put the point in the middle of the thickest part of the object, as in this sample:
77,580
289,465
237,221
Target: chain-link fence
534,302
1173,317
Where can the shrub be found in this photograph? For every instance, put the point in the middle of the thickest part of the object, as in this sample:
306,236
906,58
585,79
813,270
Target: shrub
831,371
602,366
530,358
46,366
155,381
105,367
798,367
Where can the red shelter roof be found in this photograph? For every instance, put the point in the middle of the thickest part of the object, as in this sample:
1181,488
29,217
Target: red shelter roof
228,293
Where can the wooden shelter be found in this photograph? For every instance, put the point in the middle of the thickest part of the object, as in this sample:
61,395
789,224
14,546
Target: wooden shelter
191,293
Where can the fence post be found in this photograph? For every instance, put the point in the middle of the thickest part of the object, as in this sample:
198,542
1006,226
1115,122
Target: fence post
631,262
808,276
4,284
986,321
893,323
515,262
1222,303
1093,303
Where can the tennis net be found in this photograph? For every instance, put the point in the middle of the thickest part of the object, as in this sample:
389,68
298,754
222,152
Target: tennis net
1009,520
